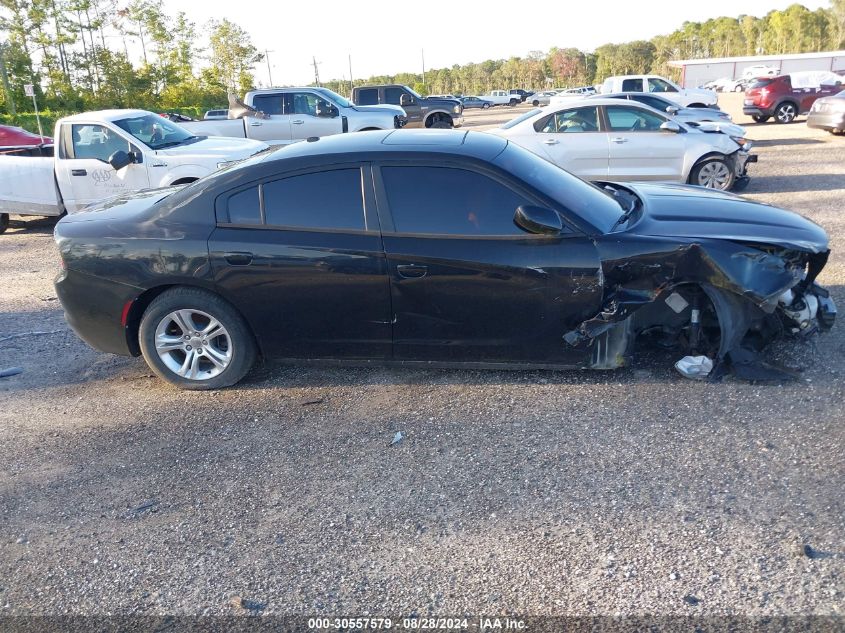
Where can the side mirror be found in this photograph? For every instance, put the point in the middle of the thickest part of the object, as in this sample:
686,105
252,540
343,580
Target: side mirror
673,110
405,100
120,159
326,110
538,220
670,126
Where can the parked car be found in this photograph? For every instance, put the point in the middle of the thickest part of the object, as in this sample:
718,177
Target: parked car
20,142
107,153
432,248
501,97
599,139
522,94
685,97
726,84
828,113
279,116
419,111
580,90
216,115
542,98
662,104
475,102
759,70
786,96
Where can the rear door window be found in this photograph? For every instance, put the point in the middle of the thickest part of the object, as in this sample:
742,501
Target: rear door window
268,104
368,96
632,85
321,200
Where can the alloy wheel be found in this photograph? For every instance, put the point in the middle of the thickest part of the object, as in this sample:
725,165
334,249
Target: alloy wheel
786,113
714,175
193,344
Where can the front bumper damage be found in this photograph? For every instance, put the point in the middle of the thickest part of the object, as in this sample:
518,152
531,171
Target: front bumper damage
756,295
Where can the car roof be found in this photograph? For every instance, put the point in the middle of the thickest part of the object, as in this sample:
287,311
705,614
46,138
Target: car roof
459,143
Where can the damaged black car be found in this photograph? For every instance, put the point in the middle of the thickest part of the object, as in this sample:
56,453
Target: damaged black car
435,248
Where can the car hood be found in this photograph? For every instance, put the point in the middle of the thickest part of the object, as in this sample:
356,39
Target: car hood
446,103
709,96
695,212
712,127
392,110
221,147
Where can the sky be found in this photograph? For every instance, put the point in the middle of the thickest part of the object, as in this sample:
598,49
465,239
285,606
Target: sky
389,37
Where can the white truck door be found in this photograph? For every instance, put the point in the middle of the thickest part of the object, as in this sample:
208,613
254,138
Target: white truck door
82,167
275,130
305,122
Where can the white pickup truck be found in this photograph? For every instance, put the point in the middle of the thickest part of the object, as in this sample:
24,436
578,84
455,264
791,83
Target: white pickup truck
280,116
685,97
502,97
102,154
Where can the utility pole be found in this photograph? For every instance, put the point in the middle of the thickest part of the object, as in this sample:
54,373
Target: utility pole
269,72
316,71
7,89
422,52
351,83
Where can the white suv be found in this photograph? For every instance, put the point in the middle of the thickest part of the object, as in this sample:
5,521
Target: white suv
685,97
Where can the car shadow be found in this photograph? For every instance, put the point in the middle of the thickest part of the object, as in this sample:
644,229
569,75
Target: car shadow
787,141
37,225
795,182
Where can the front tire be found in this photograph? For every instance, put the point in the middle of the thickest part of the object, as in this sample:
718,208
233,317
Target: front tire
441,124
195,340
713,173
786,112
4,222
759,118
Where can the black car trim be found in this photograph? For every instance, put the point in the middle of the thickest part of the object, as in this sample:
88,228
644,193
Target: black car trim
296,229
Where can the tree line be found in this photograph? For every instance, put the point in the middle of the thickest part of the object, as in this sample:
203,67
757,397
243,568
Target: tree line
76,53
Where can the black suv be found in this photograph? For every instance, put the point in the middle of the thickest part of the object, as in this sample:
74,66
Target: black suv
523,94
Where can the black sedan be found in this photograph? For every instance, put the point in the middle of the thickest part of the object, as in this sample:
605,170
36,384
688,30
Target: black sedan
432,247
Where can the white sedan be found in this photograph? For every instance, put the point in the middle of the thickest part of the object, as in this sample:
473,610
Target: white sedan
605,139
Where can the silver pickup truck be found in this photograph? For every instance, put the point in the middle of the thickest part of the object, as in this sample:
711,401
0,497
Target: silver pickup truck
279,116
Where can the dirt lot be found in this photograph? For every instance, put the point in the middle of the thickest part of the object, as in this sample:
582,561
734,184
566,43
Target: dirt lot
632,492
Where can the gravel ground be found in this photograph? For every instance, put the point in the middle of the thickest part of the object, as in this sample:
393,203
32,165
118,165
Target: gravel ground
566,493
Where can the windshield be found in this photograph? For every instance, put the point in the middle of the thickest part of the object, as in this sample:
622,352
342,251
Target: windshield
343,102
595,205
521,118
154,131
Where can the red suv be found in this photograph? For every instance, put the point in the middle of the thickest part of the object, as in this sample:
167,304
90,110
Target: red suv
768,97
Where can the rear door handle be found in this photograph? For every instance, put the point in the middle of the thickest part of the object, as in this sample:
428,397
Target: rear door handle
78,172
411,271
551,141
298,122
256,124
238,259
619,139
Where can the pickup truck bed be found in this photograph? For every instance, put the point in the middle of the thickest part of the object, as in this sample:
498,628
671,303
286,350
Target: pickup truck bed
39,196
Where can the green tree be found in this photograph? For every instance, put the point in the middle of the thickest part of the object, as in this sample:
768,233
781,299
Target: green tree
233,56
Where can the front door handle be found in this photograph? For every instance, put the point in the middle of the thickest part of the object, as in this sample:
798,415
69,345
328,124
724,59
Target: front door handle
238,259
298,122
78,172
411,271
619,139
551,141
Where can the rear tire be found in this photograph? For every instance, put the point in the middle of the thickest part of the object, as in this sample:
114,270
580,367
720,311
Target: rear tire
713,173
760,118
218,352
513,102
4,222
786,112
485,106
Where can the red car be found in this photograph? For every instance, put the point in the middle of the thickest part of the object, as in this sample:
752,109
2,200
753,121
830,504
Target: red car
16,140
768,97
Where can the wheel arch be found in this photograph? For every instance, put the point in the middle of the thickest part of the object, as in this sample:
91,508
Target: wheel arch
432,117
140,304
184,181
706,156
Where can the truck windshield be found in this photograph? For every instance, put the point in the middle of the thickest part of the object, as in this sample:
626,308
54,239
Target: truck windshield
154,131
333,96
